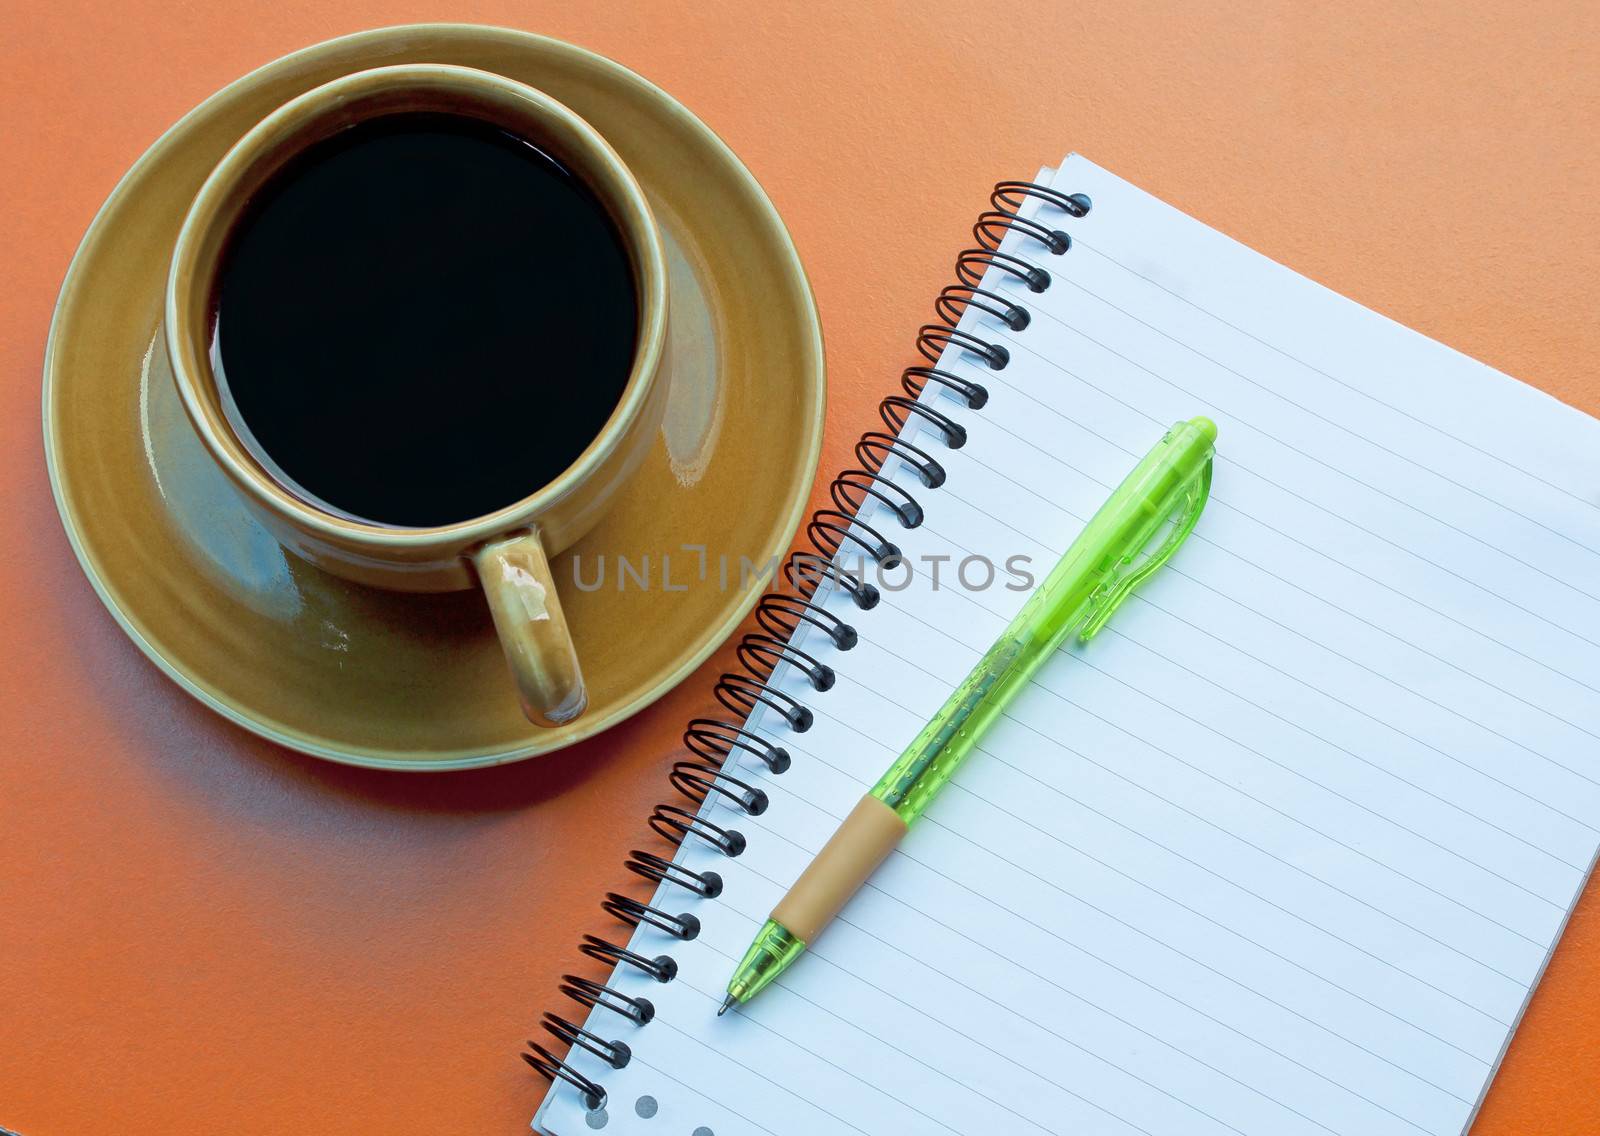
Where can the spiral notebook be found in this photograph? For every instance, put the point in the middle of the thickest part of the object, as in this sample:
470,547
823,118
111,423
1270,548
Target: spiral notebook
1283,852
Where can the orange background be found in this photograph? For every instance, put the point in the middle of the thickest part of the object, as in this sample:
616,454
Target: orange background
200,932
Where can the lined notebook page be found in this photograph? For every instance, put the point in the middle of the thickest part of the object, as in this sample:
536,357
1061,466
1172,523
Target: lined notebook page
1284,850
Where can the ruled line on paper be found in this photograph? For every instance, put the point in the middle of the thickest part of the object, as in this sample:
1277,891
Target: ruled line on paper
1142,981
1210,919
1223,457
1201,539
1178,571
1233,553
1080,243
1322,553
703,1095
1042,309
756,921
852,1024
1289,769
819,952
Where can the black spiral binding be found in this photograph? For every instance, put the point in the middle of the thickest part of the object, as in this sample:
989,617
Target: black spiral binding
780,614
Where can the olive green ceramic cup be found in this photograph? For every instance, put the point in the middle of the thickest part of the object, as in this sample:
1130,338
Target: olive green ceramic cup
508,552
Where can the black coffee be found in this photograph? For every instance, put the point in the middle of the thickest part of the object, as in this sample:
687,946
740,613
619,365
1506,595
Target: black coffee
423,319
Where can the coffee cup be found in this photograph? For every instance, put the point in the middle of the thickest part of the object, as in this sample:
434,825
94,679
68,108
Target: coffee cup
504,549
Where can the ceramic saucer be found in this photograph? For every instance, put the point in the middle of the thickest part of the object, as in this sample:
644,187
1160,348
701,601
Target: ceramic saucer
417,682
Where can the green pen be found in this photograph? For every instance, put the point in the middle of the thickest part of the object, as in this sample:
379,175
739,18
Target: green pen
1157,504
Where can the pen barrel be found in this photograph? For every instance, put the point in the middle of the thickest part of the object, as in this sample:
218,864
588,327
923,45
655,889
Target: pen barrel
951,734
1086,574
862,842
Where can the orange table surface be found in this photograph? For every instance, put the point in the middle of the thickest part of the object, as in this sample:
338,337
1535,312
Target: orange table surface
203,933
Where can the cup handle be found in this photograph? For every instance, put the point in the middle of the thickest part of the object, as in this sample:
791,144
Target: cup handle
516,579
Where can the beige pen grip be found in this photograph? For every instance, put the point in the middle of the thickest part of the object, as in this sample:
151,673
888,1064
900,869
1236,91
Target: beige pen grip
851,854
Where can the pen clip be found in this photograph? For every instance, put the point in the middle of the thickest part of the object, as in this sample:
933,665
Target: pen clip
1114,592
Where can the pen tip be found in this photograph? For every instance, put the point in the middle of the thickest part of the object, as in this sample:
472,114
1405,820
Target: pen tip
727,1004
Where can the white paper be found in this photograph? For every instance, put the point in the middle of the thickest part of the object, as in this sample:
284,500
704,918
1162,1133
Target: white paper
1284,850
